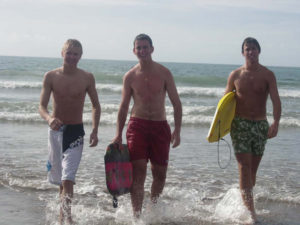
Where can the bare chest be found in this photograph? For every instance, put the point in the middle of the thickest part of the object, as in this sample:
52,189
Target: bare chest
147,86
69,87
251,84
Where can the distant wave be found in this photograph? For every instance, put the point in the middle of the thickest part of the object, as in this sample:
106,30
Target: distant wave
200,91
184,91
114,88
109,117
289,93
20,84
20,117
33,85
117,88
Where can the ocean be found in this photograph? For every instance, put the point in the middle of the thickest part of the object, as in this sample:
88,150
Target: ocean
197,190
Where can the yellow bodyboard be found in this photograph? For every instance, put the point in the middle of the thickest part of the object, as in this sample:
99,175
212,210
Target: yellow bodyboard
223,117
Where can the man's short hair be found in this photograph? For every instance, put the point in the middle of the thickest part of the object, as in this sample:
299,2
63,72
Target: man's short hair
72,43
250,40
142,37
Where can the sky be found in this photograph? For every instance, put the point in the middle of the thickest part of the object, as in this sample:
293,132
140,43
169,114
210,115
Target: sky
196,31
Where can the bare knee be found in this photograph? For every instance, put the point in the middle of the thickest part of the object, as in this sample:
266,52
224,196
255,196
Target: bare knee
159,173
245,169
246,179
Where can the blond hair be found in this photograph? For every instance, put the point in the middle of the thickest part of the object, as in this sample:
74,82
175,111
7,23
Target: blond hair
72,43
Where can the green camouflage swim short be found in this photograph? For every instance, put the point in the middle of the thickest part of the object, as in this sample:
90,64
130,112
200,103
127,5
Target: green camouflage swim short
249,136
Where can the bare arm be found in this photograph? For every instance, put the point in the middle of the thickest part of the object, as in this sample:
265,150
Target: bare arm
230,83
174,97
54,123
123,110
273,130
96,111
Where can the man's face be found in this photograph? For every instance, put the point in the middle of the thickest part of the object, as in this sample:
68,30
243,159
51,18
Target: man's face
142,49
251,52
71,55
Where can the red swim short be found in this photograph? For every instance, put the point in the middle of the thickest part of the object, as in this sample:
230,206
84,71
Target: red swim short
148,139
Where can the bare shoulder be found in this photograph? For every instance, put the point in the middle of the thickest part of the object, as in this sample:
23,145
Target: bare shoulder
130,74
86,76
52,74
85,73
163,71
162,68
267,74
236,73
266,71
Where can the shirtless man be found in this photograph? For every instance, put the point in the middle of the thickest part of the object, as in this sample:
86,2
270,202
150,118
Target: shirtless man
148,133
250,130
68,85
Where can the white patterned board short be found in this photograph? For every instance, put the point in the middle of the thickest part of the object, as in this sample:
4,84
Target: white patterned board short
65,149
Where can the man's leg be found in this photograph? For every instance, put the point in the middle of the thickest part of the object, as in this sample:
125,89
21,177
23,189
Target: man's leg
159,178
255,163
61,215
246,180
139,170
66,195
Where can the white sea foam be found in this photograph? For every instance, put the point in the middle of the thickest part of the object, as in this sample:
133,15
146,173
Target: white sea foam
20,117
116,88
231,208
289,122
194,110
200,91
20,84
109,117
289,93
109,108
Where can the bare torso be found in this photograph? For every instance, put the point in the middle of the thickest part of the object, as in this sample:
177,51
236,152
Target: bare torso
252,91
68,92
148,89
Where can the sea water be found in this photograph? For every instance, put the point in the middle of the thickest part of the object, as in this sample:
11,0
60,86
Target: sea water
197,191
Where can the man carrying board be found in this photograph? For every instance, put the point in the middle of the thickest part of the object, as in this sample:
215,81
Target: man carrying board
148,133
250,130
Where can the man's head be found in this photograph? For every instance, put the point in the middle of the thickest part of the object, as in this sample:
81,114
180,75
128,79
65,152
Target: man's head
72,43
141,37
71,52
250,40
142,47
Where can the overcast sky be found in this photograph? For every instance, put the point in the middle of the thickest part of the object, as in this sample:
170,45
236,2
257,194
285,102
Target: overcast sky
198,31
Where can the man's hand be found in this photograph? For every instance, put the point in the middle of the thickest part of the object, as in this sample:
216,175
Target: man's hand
118,140
175,139
54,123
273,130
93,139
